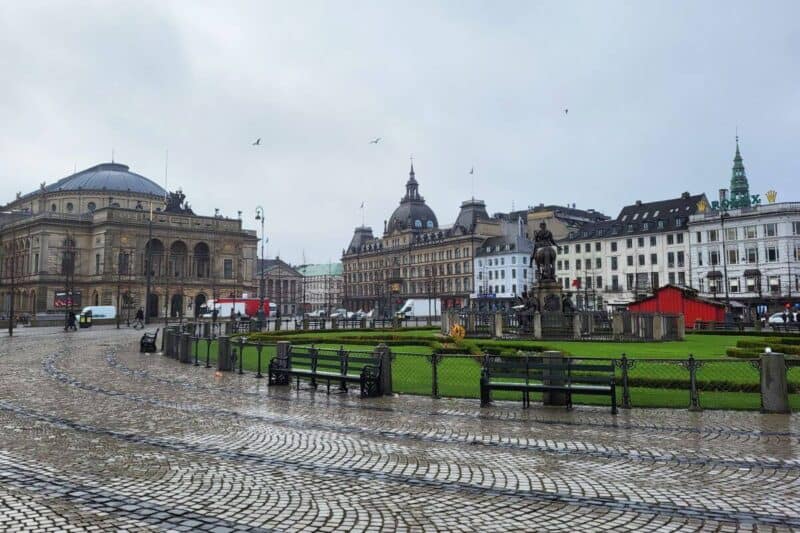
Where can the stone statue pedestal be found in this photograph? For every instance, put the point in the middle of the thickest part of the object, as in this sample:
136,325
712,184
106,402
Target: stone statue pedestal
548,296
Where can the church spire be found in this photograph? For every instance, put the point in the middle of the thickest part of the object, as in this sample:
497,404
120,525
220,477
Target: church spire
739,186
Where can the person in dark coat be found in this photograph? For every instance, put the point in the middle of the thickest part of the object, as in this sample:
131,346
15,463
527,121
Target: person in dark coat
71,322
139,320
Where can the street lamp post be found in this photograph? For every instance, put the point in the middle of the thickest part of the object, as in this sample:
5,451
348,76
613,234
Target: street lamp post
149,261
261,282
723,215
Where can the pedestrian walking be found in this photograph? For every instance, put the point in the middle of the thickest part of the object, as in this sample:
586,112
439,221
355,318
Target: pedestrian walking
71,325
139,320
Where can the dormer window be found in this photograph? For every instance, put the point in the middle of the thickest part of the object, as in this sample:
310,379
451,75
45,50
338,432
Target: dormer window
417,223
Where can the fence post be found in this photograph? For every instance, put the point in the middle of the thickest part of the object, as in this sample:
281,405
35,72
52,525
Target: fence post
383,355
658,327
617,326
498,324
259,348
434,359
241,354
774,386
537,325
196,349
694,397
625,365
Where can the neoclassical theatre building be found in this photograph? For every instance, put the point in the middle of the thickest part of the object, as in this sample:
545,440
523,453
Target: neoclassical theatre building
84,240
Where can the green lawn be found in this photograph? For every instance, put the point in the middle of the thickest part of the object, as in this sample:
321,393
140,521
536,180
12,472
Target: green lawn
729,384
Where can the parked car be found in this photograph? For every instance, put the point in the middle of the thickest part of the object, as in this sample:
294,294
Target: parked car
319,313
777,318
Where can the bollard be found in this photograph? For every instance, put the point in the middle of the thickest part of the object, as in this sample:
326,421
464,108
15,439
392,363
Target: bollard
184,353
223,353
553,376
774,388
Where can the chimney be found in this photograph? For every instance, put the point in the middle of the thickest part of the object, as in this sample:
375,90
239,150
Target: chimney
723,195
638,202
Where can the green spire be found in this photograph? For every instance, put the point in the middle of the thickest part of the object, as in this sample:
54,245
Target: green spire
739,185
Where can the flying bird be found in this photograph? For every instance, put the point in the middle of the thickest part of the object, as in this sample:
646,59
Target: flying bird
566,111
472,170
258,142
376,140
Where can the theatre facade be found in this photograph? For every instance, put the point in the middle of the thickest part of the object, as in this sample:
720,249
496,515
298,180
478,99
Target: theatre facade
91,238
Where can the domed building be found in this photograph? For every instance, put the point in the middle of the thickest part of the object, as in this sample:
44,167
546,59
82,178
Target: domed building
86,239
416,258
412,213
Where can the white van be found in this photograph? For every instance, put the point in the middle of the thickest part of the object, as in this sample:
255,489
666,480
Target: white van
100,311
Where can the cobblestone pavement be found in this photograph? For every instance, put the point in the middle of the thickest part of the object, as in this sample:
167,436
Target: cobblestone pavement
97,437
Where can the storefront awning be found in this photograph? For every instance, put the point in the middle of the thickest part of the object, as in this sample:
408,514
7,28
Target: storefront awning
714,275
752,273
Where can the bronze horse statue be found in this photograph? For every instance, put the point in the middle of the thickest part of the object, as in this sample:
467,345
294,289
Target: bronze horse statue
544,254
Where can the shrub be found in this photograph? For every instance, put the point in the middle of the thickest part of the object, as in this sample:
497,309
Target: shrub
743,353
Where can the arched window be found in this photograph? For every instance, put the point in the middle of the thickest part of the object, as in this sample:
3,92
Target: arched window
70,207
430,224
417,223
91,206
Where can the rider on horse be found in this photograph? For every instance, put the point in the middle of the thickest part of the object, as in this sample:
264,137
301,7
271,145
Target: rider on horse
543,253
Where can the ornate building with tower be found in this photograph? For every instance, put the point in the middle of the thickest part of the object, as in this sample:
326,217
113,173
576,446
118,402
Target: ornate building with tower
415,257
91,238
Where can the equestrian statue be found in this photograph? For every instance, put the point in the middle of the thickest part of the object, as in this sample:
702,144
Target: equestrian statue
544,254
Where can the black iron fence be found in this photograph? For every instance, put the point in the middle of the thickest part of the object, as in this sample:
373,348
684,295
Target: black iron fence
642,382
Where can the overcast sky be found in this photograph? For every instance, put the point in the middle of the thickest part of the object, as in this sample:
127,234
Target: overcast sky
655,92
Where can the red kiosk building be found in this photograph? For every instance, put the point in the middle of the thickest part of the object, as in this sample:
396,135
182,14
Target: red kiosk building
681,300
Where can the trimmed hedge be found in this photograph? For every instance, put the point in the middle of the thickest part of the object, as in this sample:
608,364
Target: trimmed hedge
743,353
763,333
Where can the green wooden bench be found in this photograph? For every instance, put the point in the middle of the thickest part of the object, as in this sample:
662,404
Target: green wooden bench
340,367
526,374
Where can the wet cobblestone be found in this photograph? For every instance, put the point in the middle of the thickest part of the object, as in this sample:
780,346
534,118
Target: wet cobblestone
98,437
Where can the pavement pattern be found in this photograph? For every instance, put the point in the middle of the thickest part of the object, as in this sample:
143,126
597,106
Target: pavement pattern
96,437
